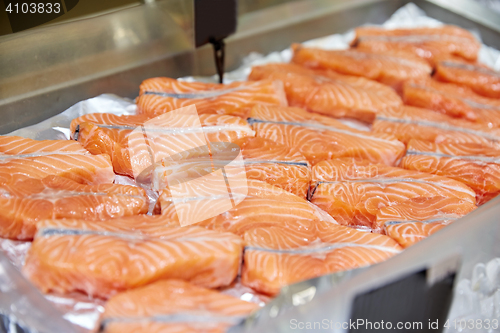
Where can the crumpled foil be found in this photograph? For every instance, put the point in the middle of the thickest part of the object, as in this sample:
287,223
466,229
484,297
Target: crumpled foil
84,311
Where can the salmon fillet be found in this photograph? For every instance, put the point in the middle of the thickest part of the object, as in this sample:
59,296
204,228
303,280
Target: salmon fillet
113,135
453,100
384,68
238,290
108,120
279,255
432,44
418,218
353,191
319,142
104,258
433,49
173,306
276,164
481,80
265,205
329,93
475,165
410,122
162,94
24,203
16,145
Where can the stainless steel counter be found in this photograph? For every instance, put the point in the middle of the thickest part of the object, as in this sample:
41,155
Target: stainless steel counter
45,71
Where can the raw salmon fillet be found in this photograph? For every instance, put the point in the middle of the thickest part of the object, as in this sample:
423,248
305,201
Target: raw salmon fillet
477,166
173,306
418,218
410,122
384,68
162,94
279,255
24,203
22,158
82,168
319,142
432,44
353,191
109,134
108,120
330,93
16,145
453,100
265,205
276,164
104,258
481,80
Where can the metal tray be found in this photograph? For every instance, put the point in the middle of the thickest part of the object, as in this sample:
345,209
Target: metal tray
45,71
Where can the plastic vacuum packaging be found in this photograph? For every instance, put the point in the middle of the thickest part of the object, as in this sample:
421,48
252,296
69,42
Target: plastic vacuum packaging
475,165
84,311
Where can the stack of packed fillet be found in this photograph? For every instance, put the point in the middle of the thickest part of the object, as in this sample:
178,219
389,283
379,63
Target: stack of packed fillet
258,184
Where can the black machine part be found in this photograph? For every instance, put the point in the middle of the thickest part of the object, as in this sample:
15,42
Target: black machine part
214,20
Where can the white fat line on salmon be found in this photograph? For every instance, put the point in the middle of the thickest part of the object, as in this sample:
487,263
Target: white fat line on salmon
472,158
406,62
213,197
323,248
416,38
439,126
180,130
187,318
67,194
11,157
197,95
128,235
275,162
321,127
444,219
465,100
214,162
470,68
392,181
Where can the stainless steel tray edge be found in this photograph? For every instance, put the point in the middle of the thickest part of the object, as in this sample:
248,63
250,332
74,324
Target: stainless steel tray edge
473,239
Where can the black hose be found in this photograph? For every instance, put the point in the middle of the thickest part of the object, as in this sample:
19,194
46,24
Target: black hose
219,52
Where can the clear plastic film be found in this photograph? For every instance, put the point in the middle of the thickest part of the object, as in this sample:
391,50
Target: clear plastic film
477,299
